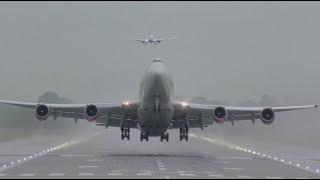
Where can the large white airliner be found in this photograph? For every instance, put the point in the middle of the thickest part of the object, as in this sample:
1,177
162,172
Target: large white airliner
151,40
156,111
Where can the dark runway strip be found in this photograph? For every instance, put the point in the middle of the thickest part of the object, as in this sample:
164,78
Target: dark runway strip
106,156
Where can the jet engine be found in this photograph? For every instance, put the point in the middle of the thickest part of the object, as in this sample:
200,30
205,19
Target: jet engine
267,116
219,114
42,112
91,112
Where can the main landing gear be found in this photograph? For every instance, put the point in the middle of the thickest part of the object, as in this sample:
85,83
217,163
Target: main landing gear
143,136
164,136
125,133
184,133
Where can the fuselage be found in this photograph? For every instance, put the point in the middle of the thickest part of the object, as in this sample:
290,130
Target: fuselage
156,92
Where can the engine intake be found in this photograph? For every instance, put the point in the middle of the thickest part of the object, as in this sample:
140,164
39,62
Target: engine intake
267,116
91,112
42,112
219,114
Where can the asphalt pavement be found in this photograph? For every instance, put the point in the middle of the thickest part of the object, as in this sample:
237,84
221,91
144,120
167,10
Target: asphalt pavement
104,155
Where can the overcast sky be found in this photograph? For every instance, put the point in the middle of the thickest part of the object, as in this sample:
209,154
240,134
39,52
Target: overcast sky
223,50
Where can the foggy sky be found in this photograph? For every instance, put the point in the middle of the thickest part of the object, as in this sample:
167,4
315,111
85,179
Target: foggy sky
223,50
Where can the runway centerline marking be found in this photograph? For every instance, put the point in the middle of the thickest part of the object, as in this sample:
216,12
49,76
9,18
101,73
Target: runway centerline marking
144,174
215,175
271,177
236,169
88,166
27,174
115,174
96,160
161,166
184,174
56,174
85,174
225,162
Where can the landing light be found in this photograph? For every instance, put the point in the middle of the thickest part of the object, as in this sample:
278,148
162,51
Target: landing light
126,103
185,104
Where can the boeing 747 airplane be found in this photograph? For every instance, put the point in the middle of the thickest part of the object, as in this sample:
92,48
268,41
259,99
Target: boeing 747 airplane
156,111
151,40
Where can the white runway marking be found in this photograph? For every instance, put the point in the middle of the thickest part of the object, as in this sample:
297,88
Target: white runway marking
215,175
88,166
3,174
85,174
236,169
27,174
115,174
225,162
270,177
162,169
96,160
187,175
56,174
205,172
116,170
144,174
242,176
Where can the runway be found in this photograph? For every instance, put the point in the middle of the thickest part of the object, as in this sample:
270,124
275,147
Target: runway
104,155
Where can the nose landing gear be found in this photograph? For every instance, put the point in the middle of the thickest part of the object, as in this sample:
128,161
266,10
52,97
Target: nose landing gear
164,137
143,136
125,133
184,133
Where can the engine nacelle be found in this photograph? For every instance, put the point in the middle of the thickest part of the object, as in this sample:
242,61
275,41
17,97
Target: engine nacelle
42,112
267,116
219,114
91,112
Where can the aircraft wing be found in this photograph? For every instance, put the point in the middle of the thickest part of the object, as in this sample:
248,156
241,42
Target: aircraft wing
139,40
201,115
110,114
166,38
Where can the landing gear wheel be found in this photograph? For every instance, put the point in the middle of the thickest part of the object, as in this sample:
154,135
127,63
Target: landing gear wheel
144,136
122,136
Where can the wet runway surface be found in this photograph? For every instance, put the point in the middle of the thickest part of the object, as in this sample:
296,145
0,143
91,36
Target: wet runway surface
106,156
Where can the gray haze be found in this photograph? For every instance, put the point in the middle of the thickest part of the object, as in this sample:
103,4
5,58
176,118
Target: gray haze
225,51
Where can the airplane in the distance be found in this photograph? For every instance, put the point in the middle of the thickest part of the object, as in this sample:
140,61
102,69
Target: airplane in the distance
155,111
151,40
